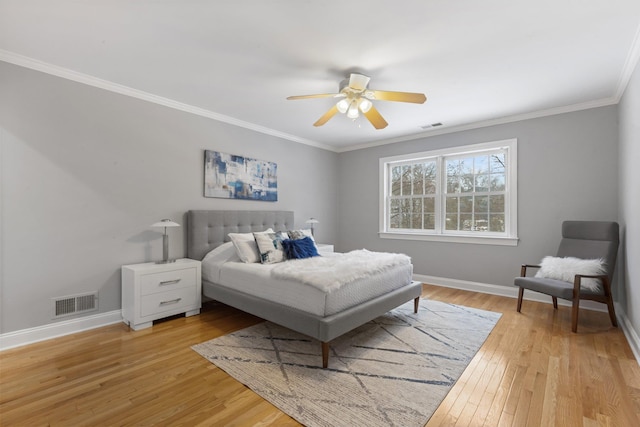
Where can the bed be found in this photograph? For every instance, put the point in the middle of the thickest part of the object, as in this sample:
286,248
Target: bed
209,229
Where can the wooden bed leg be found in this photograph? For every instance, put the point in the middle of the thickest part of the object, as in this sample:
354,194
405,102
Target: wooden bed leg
325,354
416,303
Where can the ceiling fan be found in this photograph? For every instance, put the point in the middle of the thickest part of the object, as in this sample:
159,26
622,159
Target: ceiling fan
357,97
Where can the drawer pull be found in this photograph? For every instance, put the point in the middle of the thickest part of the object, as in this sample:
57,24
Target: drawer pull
173,301
169,282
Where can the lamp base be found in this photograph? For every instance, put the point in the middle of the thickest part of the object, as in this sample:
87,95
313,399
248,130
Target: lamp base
165,261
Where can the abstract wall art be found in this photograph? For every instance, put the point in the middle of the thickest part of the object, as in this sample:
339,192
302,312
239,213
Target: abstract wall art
229,176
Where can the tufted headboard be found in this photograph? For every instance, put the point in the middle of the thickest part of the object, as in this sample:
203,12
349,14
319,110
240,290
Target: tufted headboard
207,230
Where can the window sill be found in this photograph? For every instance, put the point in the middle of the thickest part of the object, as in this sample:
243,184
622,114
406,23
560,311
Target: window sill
476,240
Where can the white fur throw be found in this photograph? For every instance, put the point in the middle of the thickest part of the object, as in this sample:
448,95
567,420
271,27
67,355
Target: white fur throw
566,268
331,272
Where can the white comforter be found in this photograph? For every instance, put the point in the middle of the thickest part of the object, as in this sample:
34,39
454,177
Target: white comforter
330,273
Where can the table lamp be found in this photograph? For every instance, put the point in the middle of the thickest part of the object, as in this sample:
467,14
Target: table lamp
165,239
312,221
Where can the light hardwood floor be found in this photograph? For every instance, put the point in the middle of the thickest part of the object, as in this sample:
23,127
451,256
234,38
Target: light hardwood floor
531,371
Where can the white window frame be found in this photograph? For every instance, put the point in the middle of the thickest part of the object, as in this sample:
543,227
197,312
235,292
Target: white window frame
508,238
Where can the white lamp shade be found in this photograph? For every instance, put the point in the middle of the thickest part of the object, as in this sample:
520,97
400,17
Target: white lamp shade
352,112
312,221
364,105
165,223
342,105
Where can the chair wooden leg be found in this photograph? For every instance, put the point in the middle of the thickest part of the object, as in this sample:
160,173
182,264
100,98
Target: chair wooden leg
612,311
325,354
416,303
520,294
555,302
574,314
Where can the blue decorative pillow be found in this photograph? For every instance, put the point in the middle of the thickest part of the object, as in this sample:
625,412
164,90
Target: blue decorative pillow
299,248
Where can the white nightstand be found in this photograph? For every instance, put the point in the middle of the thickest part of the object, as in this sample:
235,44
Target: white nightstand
152,291
324,248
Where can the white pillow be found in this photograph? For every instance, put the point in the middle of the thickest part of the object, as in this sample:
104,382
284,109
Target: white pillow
212,262
270,246
566,268
246,247
224,252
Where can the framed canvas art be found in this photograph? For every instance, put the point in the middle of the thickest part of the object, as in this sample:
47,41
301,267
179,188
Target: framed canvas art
229,176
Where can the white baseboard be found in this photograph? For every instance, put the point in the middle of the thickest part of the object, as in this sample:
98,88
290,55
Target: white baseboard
629,332
512,292
58,329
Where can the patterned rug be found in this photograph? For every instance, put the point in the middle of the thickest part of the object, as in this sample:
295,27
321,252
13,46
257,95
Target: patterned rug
392,371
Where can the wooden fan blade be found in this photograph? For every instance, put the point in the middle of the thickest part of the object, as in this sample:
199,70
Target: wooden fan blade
385,95
325,118
320,95
375,118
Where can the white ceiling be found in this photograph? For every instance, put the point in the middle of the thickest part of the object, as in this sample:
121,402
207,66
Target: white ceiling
478,62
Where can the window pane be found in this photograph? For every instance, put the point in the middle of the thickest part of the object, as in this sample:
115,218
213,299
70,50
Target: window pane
429,222
466,166
497,223
453,176
497,182
453,184
416,212
482,183
480,222
429,204
496,204
395,180
405,213
452,204
497,162
466,183
481,164
406,180
451,221
466,204
430,178
481,204
453,167
466,222
418,179
394,213
416,221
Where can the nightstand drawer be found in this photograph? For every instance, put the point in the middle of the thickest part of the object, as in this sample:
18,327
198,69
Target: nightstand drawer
176,301
166,281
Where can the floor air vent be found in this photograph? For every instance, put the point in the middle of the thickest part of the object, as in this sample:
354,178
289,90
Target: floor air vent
74,304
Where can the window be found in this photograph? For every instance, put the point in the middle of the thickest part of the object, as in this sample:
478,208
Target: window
461,194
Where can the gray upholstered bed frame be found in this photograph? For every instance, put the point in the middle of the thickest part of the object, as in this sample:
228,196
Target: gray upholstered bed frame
208,229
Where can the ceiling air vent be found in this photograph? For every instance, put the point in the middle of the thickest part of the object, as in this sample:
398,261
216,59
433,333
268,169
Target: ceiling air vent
432,125
74,304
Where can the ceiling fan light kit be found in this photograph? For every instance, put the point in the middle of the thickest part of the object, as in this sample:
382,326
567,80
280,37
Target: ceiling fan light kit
356,99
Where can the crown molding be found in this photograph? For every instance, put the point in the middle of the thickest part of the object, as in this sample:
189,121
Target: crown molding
486,123
629,66
65,73
632,60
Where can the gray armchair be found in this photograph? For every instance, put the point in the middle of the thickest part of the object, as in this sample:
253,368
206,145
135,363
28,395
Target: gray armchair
580,239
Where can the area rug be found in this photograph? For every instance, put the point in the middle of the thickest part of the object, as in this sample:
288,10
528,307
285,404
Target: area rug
392,371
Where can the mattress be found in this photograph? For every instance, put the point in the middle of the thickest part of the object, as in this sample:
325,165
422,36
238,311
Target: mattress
225,269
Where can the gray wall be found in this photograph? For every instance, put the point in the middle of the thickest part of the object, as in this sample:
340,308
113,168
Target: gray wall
567,169
85,172
629,194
